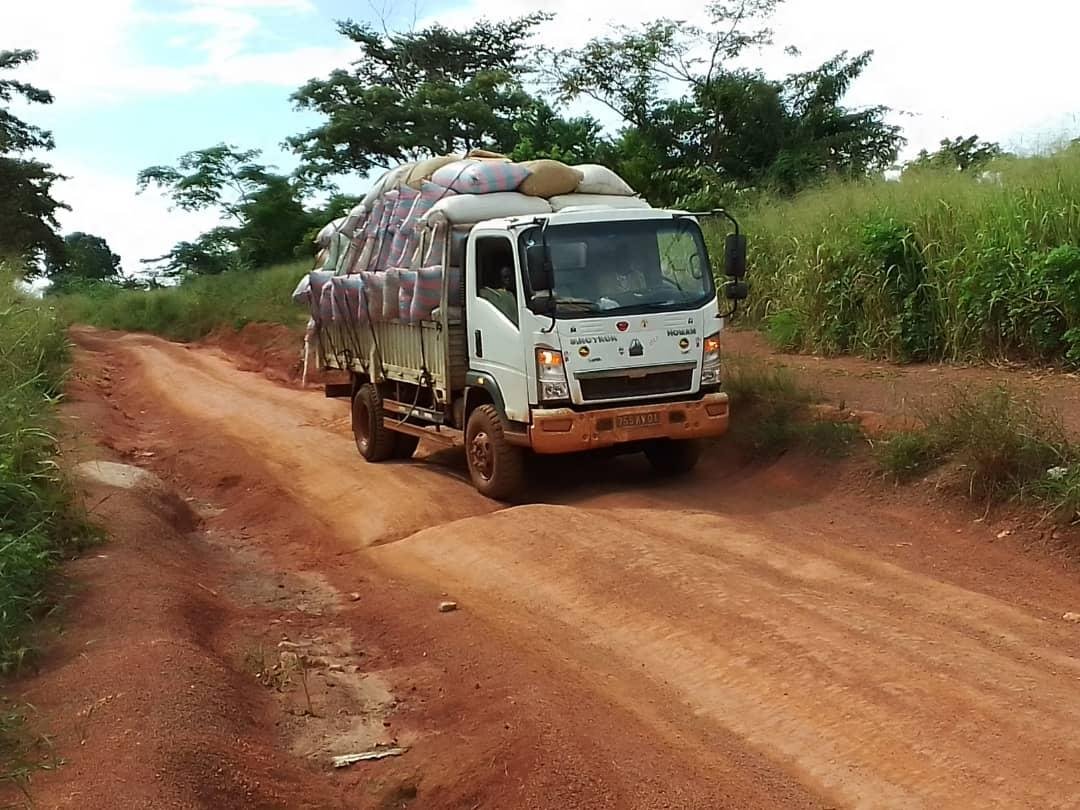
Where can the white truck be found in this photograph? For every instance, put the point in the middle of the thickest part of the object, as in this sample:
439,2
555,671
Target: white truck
589,328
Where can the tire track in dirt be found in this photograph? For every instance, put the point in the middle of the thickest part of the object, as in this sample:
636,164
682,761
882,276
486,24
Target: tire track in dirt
870,683
885,701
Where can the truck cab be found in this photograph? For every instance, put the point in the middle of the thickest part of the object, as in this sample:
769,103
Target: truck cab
594,328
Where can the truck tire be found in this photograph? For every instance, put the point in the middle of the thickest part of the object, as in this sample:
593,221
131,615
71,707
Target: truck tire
374,440
497,468
673,457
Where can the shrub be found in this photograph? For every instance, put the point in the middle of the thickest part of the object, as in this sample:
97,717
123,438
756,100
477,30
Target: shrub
197,307
1005,440
936,266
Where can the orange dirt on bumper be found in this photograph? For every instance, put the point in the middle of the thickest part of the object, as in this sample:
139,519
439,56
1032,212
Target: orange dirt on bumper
561,430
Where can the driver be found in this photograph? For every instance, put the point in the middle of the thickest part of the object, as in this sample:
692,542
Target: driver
628,274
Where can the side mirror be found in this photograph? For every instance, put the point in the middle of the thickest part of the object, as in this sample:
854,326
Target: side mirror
736,291
541,275
735,255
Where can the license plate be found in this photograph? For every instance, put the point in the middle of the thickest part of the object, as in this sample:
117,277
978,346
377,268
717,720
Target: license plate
637,420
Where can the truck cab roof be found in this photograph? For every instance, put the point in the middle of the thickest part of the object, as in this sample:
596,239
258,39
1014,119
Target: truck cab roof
579,215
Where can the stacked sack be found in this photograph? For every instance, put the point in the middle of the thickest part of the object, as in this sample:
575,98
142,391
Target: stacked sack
391,244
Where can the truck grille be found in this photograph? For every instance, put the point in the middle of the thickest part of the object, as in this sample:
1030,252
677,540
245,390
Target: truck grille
618,387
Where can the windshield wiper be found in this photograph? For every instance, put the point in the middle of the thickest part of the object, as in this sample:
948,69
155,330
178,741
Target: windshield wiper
577,302
647,306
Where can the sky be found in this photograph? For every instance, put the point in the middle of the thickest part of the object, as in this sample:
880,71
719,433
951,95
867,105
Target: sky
139,82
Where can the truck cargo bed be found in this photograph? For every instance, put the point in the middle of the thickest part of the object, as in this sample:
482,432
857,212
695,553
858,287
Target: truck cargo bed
398,351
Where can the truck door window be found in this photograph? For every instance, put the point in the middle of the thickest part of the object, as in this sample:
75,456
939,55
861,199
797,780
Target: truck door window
496,278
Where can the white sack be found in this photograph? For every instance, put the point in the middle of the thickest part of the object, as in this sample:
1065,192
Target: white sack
389,181
596,201
328,230
467,209
599,179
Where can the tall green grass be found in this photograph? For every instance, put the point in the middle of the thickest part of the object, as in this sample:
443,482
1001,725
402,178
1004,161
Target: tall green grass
36,519
196,307
936,266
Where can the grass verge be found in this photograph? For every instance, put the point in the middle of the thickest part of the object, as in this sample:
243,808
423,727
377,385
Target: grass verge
38,524
1005,442
22,752
197,307
771,413
941,265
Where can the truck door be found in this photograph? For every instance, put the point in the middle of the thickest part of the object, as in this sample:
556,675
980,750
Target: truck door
493,292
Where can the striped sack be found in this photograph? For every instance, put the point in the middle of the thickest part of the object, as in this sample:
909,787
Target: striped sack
374,284
374,220
385,235
406,288
356,220
391,282
317,280
345,301
326,305
427,295
400,246
480,176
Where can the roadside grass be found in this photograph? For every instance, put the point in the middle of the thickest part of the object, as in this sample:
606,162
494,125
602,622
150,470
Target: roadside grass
1006,442
22,753
196,307
937,266
38,521
771,413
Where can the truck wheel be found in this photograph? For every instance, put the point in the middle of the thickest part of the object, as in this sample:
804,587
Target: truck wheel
496,467
405,445
373,439
672,457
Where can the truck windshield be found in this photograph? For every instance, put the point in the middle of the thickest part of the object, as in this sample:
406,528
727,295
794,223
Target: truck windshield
627,267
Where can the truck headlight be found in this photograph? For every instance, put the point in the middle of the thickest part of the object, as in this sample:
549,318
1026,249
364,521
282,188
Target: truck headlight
710,360
551,374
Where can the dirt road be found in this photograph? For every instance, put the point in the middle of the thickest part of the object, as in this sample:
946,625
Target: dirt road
786,635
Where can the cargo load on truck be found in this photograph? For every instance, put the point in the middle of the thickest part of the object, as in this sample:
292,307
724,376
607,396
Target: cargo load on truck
520,307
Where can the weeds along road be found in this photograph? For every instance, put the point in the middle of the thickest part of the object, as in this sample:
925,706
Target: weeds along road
786,637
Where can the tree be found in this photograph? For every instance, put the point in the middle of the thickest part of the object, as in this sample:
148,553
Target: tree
631,71
729,128
959,154
27,209
416,94
785,135
263,214
540,132
85,258
221,177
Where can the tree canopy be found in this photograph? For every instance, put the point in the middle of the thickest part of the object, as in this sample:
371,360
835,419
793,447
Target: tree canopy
958,154
27,209
263,216
698,129
85,259
415,94
696,122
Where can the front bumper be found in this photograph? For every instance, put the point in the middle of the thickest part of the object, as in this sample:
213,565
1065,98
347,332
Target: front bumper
562,430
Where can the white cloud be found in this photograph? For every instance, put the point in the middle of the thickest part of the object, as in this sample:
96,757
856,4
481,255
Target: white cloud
136,226
96,52
948,67
952,67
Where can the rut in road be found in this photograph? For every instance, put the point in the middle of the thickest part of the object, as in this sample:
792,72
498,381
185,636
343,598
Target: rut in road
869,682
